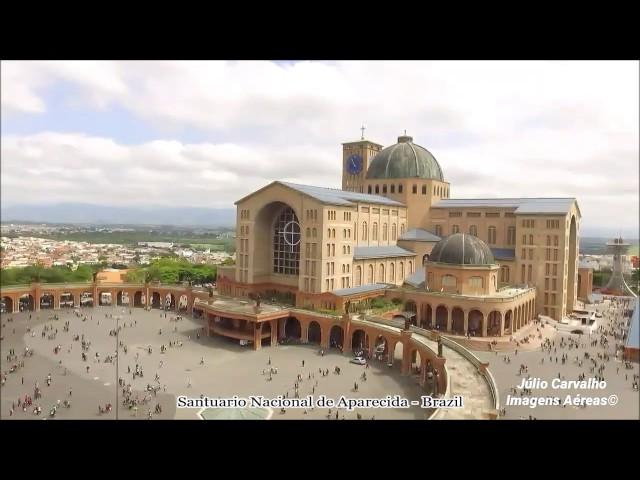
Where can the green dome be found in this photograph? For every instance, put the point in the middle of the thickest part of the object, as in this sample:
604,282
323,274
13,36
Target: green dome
405,159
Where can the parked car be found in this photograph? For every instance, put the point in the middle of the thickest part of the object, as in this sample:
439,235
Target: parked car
358,361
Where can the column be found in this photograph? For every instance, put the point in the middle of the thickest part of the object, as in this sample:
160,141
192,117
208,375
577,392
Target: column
35,287
325,334
274,332
405,336
257,336
56,301
449,319
304,333
466,322
485,323
94,295
430,318
346,347
15,304
423,370
501,324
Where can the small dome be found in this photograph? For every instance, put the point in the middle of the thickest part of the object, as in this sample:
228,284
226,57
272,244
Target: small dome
462,249
405,159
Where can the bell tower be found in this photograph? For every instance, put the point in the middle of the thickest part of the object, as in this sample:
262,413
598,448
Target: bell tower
356,157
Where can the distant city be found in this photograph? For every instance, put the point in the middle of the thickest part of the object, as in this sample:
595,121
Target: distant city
51,245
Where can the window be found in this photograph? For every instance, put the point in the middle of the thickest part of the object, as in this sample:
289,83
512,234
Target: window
531,254
392,272
344,233
384,232
401,271
530,239
555,240
424,189
473,230
522,274
315,233
529,272
370,275
410,266
364,230
492,235
492,214
328,232
414,189
377,189
400,188
393,231
333,233
308,232
475,282
369,189
547,269
473,214
374,233
328,249
524,253
333,268
401,229
438,229
333,249
384,189
555,269
548,240
455,214
546,284
328,268
286,246
554,284
455,229
511,235
381,277
555,254
449,281
393,189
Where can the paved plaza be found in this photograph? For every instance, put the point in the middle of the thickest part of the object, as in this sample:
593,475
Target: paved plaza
228,368
542,364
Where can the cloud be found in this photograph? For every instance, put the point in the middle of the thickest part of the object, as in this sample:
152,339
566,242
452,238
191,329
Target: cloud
498,129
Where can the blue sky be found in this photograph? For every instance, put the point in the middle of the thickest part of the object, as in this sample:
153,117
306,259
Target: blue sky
207,133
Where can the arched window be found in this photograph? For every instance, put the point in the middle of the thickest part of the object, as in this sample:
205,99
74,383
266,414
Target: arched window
511,235
358,276
401,229
328,232
475,282
455,229
344,233
434,190
308,232
425,258
401,271
370,276
384,232
392,272
492,235
438,229
369,189
364,230
400,188
381,277
377,188
424,189
374,232
333,233
384,189
473,230
414,189
410,267
344,249
343,269
449,281
315,233
393,231
393,188
548,240
328,268
530,239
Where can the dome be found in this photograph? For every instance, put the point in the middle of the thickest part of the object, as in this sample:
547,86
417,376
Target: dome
462,249
405,159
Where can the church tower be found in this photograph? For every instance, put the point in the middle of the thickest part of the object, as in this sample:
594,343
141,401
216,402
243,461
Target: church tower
356,157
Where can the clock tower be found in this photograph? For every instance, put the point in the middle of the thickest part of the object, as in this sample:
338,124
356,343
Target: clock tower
356,157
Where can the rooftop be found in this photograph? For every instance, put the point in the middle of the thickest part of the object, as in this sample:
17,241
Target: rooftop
419,235
521,205
343,292
333,196
389,251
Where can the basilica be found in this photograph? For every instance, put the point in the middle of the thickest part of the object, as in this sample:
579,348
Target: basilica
480,266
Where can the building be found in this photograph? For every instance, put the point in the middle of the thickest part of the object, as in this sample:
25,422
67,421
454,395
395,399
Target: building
320,245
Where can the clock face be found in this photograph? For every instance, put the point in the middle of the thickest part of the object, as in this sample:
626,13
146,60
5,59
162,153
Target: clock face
354,164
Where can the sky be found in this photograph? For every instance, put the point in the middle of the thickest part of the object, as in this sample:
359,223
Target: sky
206,133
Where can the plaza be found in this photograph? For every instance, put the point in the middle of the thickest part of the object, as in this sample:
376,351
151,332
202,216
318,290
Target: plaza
229,369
